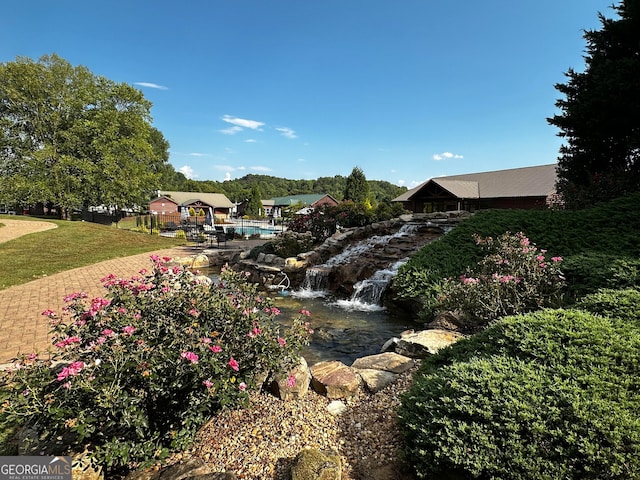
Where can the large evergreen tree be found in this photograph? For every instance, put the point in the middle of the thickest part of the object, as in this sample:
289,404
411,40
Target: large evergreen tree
357,188
74,139
600,114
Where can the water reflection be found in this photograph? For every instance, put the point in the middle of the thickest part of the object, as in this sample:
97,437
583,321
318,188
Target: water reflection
343,329
342,334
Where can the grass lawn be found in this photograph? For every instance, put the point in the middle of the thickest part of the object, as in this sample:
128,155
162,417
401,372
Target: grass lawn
71,245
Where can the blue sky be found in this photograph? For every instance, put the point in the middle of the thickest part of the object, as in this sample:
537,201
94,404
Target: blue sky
406,90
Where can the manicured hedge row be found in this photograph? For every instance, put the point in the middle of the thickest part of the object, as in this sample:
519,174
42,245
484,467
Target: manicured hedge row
548,395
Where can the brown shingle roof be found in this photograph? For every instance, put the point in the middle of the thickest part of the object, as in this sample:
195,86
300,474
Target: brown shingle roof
538,181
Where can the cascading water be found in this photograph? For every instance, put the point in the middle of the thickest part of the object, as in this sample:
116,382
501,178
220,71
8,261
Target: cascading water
367,294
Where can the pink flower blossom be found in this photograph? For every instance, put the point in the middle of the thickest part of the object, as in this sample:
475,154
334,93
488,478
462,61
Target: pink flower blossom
107,333
67,341
234,364
215,348
49,313
101,340
193,312
242,386
556,259
32,356
208,383
190,356
282,341
205,340
306,313
72,370
122,310
291,381
128,330
67,385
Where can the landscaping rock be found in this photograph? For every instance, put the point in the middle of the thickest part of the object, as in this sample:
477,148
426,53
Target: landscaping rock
337,407
376,380
334,380
388,361
426,342
314,464
302,376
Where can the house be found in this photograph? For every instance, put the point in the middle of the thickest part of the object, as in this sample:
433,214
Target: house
312,200
523,188
217,205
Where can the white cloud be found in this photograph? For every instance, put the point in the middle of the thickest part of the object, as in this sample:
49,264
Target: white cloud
151,85
197,154
287,132
187,171
250,140
401,183
227,176
260,169
446,156
231,130
243,122
228,168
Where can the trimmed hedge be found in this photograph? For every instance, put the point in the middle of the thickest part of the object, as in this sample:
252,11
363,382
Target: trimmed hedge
580,237
552,394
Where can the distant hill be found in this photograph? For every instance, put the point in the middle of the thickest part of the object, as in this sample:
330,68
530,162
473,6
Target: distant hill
269,187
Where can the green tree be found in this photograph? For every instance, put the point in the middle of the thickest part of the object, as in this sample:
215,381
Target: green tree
600,114
74,139
357,188
254,204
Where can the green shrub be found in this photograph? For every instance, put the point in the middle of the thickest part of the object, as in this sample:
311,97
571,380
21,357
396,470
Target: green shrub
290,244
180,234
591,271
137,373
612,228
514,277
621,305
552,394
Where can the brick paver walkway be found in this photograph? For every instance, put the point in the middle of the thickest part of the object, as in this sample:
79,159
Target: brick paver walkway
23,329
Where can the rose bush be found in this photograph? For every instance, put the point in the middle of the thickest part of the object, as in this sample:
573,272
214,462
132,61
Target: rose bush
136,373
513,277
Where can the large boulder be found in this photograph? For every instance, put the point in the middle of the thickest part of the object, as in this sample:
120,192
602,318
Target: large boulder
426,342
388,361
314,464
334,379
301,376
376,380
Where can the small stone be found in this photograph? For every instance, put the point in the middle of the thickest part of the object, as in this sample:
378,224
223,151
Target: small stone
336,407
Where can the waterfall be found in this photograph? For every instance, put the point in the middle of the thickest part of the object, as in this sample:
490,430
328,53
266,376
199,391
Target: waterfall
354,251
316,278
367,294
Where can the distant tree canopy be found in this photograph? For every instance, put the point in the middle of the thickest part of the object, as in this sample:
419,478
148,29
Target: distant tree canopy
600,119
239,190
70,139
357,188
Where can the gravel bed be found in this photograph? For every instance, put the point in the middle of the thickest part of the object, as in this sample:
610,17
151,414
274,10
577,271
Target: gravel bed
260,442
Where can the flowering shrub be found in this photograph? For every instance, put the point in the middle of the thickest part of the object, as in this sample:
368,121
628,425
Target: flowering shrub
135,374
513,278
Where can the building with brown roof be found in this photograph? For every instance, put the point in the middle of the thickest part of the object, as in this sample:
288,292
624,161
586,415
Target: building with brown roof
525,188
169,202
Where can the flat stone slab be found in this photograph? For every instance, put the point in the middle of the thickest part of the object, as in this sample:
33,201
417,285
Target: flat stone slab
376,380
426,342
388,361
